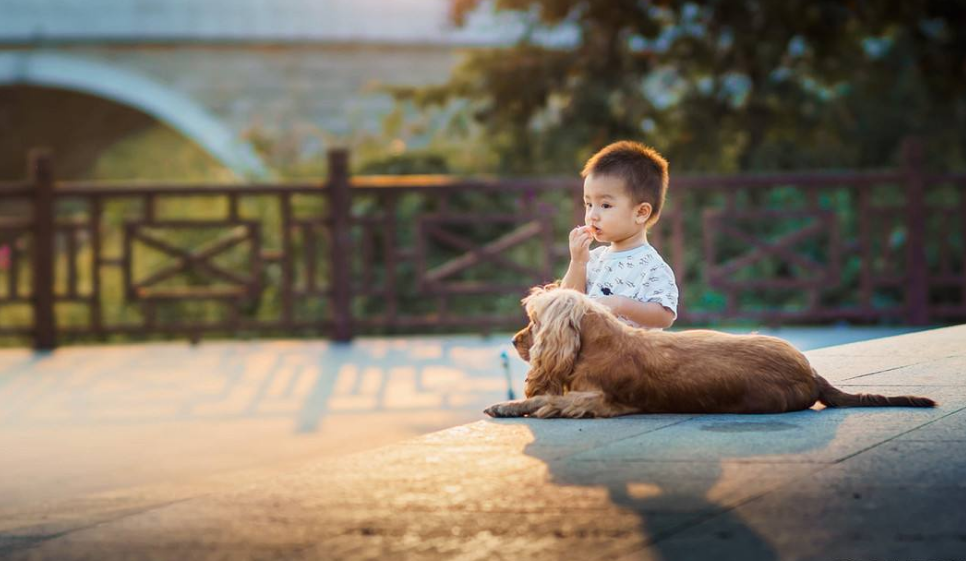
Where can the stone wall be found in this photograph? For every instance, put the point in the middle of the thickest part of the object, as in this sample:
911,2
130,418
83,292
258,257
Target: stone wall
333,88
299,99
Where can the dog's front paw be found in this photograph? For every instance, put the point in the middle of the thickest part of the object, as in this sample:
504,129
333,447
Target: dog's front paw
549,411
506,409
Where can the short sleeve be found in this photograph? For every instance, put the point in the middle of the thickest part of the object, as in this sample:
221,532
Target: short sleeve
659,286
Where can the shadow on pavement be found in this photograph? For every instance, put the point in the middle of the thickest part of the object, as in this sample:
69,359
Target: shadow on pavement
675,471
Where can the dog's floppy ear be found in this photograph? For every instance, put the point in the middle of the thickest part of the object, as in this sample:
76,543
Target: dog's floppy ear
538,290
556,318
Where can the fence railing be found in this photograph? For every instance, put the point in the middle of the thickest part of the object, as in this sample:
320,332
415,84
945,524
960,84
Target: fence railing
352,255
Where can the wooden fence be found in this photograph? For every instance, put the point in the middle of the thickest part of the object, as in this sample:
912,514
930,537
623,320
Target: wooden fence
353,255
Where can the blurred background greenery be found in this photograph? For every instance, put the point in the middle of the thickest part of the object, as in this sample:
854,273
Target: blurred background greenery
717,87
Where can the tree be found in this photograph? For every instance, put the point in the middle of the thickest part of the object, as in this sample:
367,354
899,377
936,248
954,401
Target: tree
717,85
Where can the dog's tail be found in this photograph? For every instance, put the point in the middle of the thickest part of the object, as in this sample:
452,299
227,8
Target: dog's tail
831,396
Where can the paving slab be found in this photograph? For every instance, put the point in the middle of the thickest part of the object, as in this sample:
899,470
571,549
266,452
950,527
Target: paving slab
926,373
949,428
92,433
817,484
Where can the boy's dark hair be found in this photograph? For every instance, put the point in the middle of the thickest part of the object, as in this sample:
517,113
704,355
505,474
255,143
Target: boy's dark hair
643,170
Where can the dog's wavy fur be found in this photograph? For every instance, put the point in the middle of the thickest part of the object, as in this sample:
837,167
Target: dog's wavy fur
585,363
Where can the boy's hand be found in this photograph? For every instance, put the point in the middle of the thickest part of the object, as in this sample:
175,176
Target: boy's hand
612,302
580,239
609,300
644,314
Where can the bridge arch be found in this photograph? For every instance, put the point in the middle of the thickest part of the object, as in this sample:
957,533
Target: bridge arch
43,69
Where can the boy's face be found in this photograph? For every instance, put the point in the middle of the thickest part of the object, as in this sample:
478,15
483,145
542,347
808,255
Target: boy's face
610,211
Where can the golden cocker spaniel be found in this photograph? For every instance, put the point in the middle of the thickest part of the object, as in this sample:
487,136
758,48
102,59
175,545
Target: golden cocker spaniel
585,363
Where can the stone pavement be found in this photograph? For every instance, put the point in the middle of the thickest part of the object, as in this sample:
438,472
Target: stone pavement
88,432
860,484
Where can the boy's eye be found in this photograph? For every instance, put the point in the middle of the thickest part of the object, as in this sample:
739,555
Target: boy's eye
605,205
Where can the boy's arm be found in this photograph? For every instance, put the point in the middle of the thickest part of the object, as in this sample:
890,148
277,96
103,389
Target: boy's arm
576,277
645,314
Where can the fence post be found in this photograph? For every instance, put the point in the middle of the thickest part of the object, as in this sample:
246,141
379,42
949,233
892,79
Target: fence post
917,295
340,209
40,172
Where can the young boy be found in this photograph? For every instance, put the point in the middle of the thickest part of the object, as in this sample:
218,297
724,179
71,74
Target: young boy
624,189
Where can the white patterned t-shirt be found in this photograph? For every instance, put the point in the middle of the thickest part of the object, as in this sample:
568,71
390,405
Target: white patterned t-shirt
639,273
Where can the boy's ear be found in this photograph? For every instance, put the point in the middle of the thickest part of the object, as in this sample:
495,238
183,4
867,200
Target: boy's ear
643,213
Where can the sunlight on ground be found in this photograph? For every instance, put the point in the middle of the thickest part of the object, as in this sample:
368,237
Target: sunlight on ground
91,419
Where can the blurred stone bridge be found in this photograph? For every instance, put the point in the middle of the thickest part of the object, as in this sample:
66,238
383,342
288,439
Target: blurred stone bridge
214,71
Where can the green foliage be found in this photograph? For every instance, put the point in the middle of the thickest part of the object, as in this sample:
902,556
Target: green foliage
716,85
157,153
405,164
